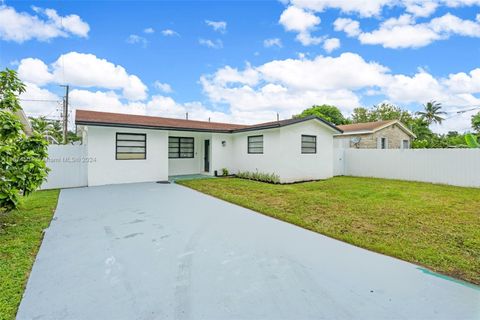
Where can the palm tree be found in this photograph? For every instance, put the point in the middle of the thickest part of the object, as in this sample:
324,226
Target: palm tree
50,129
432,113
41,125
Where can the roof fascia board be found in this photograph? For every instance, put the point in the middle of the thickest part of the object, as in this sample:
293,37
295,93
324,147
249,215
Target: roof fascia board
137,126
405,129
350,133
268,126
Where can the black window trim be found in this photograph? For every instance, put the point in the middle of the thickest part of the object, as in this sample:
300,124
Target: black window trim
179,154
302,147
248,144
132,134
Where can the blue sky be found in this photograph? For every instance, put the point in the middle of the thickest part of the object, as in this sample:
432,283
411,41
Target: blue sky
245,61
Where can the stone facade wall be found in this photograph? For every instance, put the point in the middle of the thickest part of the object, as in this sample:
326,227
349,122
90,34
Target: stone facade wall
393,133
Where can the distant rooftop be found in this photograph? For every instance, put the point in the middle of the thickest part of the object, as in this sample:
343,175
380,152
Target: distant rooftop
365,126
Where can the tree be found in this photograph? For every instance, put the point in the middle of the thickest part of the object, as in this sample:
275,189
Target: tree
360,115
383,111
327,112
51,130
432,112
471,141
476,122
22,158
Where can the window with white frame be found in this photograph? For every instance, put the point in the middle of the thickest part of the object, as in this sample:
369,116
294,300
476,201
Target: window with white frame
405,144
131,146
309,144
181,147
255,144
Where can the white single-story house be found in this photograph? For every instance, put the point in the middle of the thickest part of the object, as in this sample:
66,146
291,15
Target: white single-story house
124,148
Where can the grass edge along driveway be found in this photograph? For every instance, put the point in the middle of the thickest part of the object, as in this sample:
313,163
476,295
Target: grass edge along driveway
436,226
21,233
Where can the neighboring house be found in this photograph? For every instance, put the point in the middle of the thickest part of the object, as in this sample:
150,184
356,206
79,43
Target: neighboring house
126,148
391,134
26,125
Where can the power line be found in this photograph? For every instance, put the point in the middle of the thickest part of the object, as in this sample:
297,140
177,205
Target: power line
40,100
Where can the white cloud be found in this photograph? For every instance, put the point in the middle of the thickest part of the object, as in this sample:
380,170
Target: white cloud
71,23
273,42
34,71
464,83
298,20
158,105
325,73
136,39
421,8
214,44
288,86
83,70
449,24
86,70
349,26
421,87
149,30
220,26
303,22
169,33
365,8
37,101
164,87
369,8
404,32
22,26
331,44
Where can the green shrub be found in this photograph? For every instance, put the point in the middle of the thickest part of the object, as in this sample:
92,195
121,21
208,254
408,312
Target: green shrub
259,176
224,172
22,158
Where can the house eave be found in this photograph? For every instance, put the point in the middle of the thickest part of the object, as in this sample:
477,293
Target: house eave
139,126
352,133
246,129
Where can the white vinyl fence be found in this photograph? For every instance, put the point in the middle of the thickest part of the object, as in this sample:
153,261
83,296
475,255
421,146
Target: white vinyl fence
68,164
459,167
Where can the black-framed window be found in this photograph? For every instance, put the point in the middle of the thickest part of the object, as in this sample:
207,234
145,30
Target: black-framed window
309,144
255,144
131,146
181,147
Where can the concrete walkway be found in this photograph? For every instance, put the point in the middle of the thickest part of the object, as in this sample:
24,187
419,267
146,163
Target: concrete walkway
156,251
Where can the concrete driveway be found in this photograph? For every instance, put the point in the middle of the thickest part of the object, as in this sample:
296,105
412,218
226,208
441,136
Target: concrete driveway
153,251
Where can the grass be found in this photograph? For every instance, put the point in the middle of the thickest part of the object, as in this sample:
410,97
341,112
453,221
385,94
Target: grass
21,232
436,226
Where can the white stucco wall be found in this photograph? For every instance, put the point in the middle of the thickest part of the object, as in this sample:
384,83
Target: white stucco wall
282,152
295,166
268,162
105,169
193,165
222,155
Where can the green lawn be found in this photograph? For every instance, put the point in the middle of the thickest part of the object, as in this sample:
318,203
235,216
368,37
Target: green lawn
435,226
21,232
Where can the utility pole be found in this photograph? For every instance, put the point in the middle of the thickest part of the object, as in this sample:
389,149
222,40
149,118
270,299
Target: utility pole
65,113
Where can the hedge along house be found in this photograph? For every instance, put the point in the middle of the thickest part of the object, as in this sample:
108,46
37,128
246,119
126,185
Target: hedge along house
124,148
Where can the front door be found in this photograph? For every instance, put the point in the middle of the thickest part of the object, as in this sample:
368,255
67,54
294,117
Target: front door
206,158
